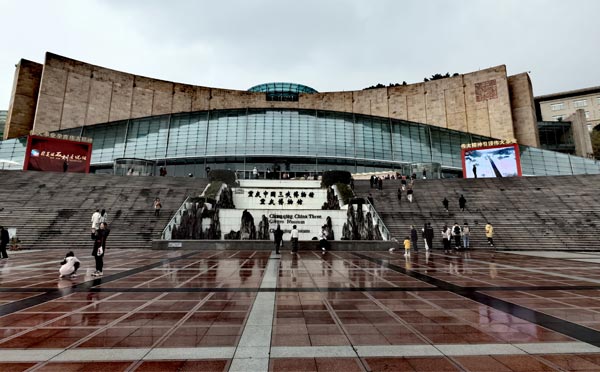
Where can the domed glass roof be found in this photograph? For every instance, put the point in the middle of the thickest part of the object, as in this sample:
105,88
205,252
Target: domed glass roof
282,88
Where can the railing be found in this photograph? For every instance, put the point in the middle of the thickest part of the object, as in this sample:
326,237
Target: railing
175,220
385,233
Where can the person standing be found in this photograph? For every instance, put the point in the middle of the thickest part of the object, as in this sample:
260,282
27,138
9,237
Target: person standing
414,238
278,237
466,233
157,206
403,183
380,184
456,233
4,239
445,203
489,233
409,194
96,220
323,238
255,173
399,195
370,199
371,182
475,170
428,236
406,247
65,166
294,235
462,202
99,237
446,238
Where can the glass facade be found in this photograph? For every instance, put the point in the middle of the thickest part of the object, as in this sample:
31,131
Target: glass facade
282,91
298,141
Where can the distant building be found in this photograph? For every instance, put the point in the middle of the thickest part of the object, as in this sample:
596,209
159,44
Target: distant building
558,106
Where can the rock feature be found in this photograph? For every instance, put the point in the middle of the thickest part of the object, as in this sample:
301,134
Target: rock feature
359,226
332,202
198,221
247,228
263,229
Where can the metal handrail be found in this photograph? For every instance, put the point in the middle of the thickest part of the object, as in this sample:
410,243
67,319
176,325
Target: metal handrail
385,232
173,221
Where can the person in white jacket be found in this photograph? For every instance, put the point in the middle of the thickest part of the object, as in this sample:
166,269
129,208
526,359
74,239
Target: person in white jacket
69,266
96,220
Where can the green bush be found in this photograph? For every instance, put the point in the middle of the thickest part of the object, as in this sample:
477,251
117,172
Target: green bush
212,189
330,178
222,175
345,193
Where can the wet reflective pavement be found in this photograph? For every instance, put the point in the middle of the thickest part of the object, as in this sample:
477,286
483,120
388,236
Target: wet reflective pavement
339,311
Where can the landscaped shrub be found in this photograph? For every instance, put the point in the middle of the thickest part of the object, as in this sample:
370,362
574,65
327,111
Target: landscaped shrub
213,189
332,177
223,175
345,193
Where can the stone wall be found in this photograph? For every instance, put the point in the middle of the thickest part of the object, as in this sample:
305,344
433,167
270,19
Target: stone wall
74,93
523,110
23,100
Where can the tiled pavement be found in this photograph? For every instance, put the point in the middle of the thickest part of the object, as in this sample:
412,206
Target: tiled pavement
341,311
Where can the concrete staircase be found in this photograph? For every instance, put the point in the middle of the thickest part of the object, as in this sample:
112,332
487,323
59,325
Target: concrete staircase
53,210
560,212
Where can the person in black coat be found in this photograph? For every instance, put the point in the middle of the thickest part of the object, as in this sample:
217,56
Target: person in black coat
4,239
99,237
278,237
429,236
414,238
445,203
462,202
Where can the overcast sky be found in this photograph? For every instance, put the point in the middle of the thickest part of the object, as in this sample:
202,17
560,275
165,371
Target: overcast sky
329,45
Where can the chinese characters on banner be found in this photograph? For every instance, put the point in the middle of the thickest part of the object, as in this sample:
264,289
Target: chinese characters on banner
57,155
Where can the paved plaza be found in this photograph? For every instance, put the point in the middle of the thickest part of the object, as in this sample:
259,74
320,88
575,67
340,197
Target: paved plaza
339,311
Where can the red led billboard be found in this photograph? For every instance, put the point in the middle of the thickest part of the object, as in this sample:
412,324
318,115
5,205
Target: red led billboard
57,155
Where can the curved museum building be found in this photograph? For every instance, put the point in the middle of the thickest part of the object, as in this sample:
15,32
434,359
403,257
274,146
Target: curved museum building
291,126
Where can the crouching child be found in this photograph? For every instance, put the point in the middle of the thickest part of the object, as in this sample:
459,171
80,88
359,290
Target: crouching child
69,266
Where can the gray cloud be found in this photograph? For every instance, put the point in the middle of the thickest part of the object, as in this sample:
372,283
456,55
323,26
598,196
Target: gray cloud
329,45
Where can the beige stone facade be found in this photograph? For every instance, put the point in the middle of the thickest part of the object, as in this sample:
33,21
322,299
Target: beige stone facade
485,102
559,106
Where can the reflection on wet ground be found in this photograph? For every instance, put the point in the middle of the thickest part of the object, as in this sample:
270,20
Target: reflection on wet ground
350,311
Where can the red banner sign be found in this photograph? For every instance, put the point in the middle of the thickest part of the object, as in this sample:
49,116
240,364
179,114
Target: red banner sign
57,155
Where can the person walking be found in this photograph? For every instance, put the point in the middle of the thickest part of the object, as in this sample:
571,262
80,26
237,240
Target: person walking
409,194
380,184
103,216
466,234
294,235
414,238
462,202
445,203
399,194
428,236
255,173
371,181
4,239
456,233
99,237
489,233
403,183
446,236
278,237
157,206
370,199
96,220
